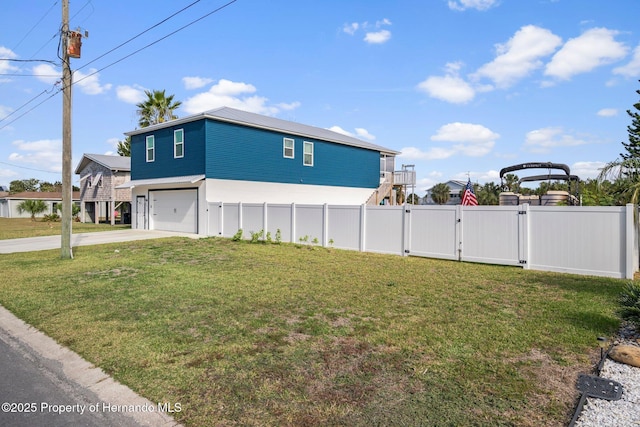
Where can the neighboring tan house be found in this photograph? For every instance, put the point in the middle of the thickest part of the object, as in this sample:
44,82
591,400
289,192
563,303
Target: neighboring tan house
455,187
9,202
100,200
227,155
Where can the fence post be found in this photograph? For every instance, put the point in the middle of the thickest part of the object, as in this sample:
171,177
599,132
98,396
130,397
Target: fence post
292,238
325,225
523,235
630,241
459,230
264,220
406,229
239,215
221,219
363,227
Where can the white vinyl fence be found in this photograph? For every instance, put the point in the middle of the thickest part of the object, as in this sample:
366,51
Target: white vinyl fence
599,241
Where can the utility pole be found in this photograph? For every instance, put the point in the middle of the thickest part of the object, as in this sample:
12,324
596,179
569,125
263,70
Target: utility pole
67,190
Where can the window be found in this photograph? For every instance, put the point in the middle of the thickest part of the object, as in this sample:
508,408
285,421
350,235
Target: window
151,149
287,148
178,143
307,154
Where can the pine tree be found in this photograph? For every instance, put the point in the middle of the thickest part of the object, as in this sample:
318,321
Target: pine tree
633,146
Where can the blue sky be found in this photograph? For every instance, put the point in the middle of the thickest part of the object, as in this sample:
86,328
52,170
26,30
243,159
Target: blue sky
459,87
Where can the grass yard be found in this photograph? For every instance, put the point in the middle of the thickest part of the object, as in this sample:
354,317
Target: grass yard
16,228
288,335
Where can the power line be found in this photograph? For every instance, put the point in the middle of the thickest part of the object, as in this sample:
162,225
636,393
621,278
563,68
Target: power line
138,35
155,42
118,61
29,60
33,169
35,25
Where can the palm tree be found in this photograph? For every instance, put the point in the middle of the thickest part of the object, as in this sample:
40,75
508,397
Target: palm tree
440,193
34,207
625,174
157,108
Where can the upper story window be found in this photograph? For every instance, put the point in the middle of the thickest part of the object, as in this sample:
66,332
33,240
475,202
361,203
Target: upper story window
151,148
307,153
178,143
288,148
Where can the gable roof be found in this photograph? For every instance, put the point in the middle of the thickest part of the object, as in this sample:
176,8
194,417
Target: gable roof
114,163
244,118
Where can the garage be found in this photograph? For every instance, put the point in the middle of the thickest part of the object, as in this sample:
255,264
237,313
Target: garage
174,210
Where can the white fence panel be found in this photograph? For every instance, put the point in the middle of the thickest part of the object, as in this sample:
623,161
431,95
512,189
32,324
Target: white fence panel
384,229
601,241
309,223
230,219
490,234
587,240
343,226
252,218
214,225
434,232
279,218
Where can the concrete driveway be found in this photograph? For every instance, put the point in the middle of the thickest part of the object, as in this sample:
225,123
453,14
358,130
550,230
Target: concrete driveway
43,243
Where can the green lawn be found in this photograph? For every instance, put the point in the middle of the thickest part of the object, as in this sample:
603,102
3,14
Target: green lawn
16,228
289,335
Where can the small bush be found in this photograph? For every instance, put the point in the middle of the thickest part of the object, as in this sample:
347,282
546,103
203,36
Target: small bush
278,236
54,217
257,236
238,236
630,304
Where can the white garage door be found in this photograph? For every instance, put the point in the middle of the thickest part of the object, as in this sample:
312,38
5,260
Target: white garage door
174,210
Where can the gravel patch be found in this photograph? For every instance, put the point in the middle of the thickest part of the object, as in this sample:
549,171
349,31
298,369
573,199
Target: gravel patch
620,413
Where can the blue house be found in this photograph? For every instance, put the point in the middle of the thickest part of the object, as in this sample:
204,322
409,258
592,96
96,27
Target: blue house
228,155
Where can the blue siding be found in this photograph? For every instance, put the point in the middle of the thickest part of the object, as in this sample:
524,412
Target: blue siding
165,165
244,153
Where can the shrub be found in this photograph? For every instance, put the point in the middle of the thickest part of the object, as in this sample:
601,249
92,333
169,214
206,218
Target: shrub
238,236
630,303
51,217
257,236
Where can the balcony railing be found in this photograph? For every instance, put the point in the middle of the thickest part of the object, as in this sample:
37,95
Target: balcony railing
404,178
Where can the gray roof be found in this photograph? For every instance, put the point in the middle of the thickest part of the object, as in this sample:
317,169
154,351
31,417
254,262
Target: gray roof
231,115
115,163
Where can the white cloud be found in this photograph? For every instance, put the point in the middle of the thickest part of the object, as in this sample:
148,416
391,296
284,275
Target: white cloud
472,4
360,132
195,82
113,143
5,111
47,73
44,153
469,139
632,69
608,112
6,66
433,153
449,88
131,94
586,170
363,133
545,139
338,129
351,28
89,83
374,33
519,56
226,93
378,37
582,54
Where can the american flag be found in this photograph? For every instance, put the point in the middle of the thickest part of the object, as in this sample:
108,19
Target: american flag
469,198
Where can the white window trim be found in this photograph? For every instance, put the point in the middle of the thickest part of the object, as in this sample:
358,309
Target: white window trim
153,148
293,148
306,144
176,143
